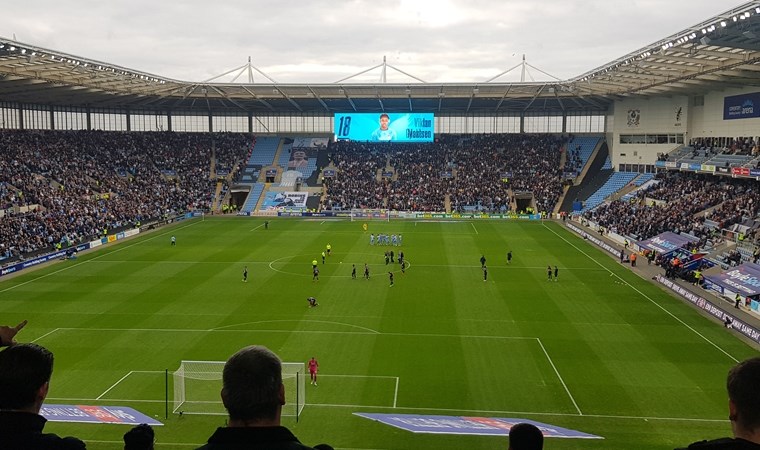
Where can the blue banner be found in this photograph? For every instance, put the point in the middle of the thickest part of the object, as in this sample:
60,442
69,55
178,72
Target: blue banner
744,279
96,414
385,127
666,242
484,426
741,106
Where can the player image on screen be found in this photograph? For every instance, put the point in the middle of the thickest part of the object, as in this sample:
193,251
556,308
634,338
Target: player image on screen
383,133
385,127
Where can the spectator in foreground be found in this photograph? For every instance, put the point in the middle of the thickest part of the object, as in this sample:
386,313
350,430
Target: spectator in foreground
141,437
253,394
25,372
743,409
525,436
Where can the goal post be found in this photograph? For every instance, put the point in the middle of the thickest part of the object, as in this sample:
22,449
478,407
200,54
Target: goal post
370,214
197,387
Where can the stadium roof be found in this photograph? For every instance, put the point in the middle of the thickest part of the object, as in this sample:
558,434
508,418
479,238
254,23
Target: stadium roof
721,52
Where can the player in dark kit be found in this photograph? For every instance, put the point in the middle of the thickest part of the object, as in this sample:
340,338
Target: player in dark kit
312,302
556,273
549,273
483,261
366,271
353,271
390,277
245,274
485,273
509,257
315,275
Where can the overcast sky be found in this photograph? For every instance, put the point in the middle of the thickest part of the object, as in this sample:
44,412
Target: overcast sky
321,41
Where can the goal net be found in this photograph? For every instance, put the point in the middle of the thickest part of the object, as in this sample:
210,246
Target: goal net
197,387
370,214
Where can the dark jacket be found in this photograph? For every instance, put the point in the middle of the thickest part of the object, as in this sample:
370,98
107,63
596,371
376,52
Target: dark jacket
23,431
256,438
723,444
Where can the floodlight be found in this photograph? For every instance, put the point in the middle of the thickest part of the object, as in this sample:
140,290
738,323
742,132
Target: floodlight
723,23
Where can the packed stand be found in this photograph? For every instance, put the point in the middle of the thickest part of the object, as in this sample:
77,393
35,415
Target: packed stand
86,182
685,195
468,170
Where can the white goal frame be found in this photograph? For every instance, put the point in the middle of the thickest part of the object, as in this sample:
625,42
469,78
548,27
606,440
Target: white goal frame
206,376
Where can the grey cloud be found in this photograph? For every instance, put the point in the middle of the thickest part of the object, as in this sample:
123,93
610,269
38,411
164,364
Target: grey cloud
194,40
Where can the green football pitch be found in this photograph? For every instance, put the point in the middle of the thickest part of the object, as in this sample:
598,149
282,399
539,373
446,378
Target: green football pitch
600,351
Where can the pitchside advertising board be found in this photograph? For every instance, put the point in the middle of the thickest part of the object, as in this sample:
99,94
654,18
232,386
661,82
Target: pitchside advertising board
385,127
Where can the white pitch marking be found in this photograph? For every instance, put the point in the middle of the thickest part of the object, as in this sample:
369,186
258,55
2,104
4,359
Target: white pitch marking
559,376
395,394
114,385
648,298
46,335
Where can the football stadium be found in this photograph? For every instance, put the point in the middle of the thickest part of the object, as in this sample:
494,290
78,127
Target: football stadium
432,263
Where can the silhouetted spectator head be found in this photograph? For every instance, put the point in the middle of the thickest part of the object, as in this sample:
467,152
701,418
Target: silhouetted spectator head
141,437
525,436
744,398
25,371
252,388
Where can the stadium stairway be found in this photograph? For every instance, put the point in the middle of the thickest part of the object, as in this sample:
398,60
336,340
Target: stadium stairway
216,203
615,182
585,146
253,198
593,179
282,156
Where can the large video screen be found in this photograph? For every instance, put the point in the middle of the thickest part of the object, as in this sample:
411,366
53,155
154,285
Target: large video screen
384,127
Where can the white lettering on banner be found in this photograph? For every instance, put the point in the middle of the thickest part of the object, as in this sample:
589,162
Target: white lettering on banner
120,414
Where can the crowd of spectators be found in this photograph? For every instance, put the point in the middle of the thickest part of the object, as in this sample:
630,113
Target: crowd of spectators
726,145
475,173
684,203
80,183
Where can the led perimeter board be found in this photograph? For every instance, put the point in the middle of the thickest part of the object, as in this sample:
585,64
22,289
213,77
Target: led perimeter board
384,127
